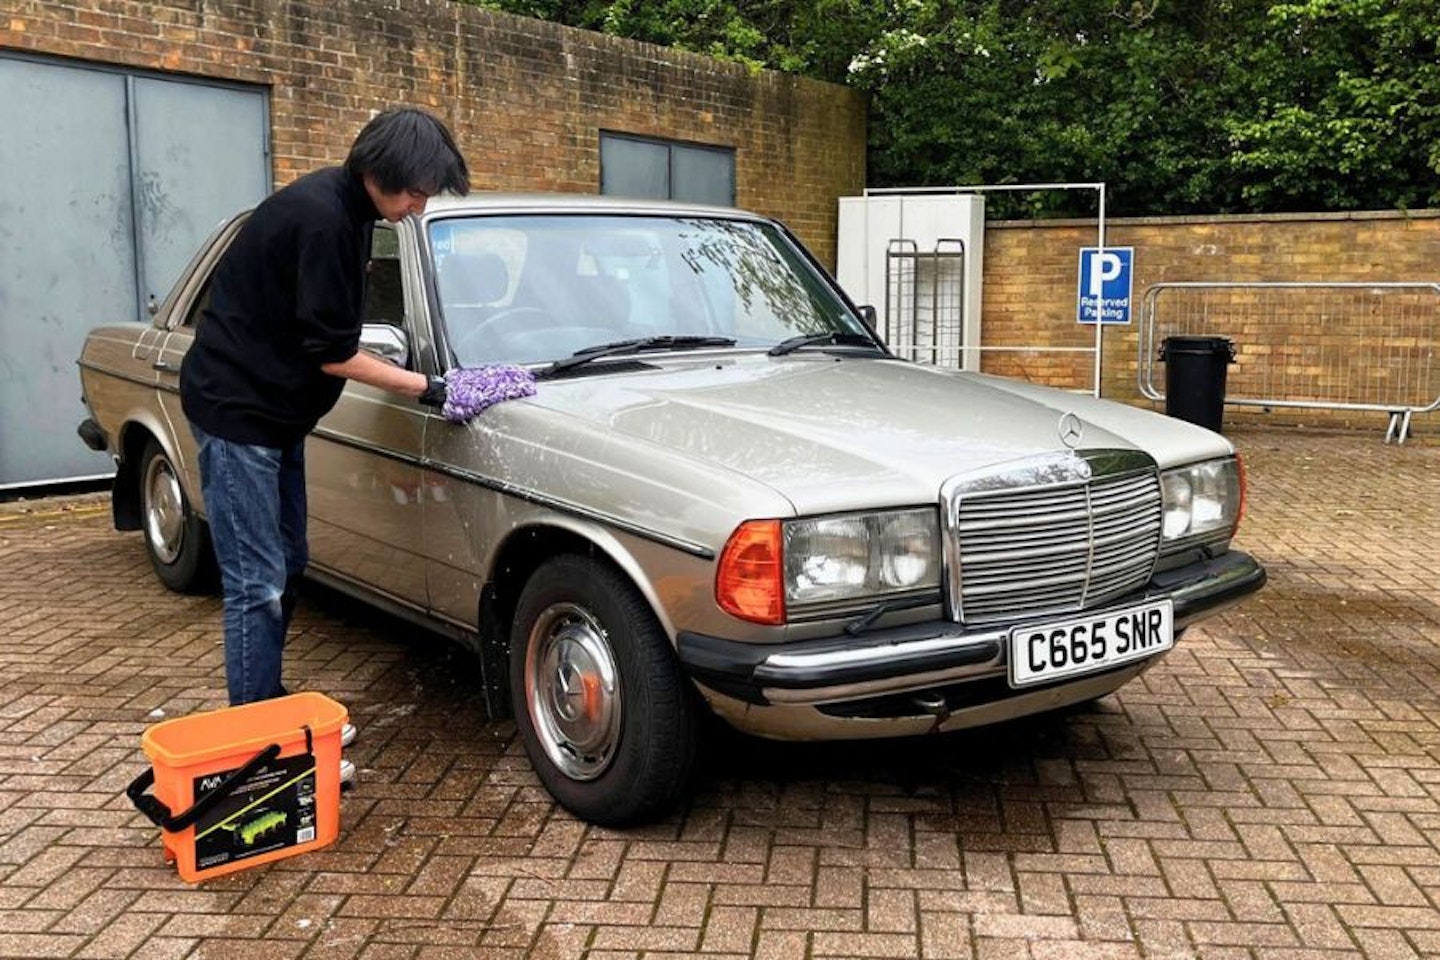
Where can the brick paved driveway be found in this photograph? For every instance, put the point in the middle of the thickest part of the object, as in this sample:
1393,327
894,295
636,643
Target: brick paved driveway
1271,790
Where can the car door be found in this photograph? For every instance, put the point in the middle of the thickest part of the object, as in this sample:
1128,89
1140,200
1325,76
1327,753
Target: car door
362,461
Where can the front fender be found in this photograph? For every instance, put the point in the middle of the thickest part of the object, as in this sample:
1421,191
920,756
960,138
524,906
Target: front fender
629,554
537,536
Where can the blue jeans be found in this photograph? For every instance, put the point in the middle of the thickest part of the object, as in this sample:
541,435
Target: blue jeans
255,503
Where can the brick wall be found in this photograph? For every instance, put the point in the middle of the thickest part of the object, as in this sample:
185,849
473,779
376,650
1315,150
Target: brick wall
525,98
1365,345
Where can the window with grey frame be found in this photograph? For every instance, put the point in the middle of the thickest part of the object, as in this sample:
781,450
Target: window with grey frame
666,170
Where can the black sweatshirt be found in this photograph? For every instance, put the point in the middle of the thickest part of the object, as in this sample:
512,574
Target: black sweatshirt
285,298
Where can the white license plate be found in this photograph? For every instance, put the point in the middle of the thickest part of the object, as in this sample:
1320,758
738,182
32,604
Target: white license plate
1067,648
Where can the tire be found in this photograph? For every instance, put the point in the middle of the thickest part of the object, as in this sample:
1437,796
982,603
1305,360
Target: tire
608,721
176,539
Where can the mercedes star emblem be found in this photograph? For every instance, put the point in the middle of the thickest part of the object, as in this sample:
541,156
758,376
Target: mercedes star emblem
1071,430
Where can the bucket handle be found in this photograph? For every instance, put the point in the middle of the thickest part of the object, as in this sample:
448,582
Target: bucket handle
159,814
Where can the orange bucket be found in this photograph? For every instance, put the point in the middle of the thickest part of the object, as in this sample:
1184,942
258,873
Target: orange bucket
254,783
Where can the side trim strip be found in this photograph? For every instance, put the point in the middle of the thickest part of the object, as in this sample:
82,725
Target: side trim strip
127,378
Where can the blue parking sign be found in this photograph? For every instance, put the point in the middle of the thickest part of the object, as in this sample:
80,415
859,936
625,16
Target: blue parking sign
1104,290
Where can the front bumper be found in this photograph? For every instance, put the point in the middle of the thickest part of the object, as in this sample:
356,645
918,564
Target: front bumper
926,655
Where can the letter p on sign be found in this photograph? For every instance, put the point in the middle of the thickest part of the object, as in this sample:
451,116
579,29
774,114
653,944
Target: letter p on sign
1104,267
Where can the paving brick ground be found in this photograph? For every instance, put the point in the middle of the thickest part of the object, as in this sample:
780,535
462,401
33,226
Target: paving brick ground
1272,790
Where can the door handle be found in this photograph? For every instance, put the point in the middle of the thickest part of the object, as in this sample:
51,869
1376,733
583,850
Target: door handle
164,367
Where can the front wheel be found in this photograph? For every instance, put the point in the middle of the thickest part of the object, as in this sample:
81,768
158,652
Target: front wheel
605,716
176,539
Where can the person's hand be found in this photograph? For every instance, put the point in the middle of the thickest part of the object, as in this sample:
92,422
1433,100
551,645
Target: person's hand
470,390
434,395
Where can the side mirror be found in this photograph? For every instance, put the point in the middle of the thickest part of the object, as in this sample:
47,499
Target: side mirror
386,341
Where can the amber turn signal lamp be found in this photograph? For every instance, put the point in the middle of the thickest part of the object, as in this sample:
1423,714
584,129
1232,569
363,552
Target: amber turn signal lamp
749,582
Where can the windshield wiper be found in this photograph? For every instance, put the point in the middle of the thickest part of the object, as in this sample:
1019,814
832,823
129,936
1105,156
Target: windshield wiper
829,338
867,620
637,345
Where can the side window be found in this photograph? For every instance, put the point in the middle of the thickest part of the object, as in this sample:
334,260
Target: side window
384,290
384,293
219,241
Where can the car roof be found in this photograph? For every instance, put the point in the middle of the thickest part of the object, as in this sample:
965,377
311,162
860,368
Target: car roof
446,205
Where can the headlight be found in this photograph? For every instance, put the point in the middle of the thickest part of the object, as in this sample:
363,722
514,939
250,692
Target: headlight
860,556
772,569
1201,502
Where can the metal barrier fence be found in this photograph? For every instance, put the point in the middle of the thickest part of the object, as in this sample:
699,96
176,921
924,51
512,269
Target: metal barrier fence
1335,346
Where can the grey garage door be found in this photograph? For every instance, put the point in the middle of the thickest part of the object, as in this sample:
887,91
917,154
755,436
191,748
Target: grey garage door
111,181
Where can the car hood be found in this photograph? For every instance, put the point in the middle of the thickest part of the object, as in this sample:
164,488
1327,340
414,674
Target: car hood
832,433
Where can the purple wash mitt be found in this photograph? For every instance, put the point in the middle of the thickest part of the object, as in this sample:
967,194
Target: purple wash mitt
469,390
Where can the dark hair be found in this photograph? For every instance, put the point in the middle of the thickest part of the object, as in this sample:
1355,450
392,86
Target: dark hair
405,148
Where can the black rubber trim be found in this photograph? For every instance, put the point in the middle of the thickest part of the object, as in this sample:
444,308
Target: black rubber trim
93,435
1217,581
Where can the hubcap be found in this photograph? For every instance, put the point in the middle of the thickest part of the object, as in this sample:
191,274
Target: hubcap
164,510
572,689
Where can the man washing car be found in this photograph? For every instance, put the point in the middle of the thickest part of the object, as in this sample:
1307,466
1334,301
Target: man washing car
275,346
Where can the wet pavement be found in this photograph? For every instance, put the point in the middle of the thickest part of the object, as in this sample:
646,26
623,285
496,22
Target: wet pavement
1270,790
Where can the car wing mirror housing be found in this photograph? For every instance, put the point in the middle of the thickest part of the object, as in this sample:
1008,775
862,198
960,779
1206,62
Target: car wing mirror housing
386,341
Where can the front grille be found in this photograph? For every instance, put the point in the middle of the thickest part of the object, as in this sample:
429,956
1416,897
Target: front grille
1058,535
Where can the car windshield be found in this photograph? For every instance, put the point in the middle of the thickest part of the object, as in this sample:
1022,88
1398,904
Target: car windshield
540,288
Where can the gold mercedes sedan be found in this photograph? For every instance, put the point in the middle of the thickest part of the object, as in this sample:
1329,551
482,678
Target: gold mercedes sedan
726,495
